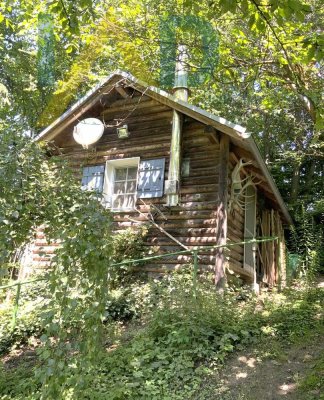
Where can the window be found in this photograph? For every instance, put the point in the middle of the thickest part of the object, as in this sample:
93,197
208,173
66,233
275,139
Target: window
123,181
124,188
250,225
120,186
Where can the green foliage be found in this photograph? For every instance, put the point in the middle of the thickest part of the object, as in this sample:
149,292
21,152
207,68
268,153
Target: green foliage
19,382
132,301
172,348
293,314
78,280
167,357
312,385
307,241
30,323
33,299
78,287
127,245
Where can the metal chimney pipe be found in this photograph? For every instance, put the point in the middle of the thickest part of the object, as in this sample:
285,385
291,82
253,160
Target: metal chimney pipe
181,74
172,185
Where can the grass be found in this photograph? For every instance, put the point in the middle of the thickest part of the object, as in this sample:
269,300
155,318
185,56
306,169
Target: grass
163,343
311,386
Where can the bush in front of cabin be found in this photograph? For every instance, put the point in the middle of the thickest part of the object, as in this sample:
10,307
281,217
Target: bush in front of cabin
38,190
128,245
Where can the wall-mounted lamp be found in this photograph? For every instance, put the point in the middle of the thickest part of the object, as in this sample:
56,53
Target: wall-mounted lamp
123,132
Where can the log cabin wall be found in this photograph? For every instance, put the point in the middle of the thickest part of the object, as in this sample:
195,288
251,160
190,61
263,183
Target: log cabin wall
193,221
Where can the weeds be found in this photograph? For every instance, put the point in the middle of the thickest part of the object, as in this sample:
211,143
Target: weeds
165,343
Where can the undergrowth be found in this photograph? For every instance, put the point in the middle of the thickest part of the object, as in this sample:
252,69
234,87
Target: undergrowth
312,385
29,323
164,340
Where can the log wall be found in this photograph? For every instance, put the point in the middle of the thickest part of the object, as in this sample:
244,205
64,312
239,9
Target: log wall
193,221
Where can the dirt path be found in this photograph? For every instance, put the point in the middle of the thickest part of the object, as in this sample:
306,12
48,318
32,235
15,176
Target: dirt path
249,376
255,375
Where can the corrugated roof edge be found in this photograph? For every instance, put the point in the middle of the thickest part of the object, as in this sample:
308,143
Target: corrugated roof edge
220,123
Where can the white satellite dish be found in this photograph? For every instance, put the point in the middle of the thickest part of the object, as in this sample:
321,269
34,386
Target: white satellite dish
88,131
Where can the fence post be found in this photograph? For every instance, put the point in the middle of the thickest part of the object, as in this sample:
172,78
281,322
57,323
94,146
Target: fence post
16,305
195,271
278,260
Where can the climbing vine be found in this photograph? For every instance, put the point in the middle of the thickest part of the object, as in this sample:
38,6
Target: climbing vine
38,190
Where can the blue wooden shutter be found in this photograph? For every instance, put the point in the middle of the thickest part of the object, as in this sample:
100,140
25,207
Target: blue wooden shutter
150,178
93,177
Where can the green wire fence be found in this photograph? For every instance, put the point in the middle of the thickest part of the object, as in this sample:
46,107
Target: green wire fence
193,252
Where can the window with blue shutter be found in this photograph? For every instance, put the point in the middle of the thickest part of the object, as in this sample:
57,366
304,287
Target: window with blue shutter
93,178
150,178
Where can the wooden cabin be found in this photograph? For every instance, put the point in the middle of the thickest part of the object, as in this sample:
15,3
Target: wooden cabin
196,178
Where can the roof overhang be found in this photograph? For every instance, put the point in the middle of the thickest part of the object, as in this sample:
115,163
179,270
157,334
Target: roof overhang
237,132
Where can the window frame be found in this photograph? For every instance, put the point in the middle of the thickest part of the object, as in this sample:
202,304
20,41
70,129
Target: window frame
109,181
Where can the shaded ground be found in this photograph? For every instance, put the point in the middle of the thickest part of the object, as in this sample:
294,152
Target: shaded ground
269,370
272,371
24,355
250,375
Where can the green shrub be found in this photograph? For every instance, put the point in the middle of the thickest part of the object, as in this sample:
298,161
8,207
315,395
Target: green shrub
19,382
175,336
128,245
307,242
167,357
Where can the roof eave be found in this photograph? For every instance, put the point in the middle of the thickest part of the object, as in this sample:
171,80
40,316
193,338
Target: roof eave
256,152
85,102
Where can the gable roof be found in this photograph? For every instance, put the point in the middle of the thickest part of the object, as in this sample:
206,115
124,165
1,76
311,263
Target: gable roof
238,134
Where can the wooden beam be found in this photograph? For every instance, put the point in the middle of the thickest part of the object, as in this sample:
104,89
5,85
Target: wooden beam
245,154
124,104
124,92
212,134
221,214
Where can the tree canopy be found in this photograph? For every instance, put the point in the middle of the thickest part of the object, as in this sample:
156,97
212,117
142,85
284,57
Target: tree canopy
265,68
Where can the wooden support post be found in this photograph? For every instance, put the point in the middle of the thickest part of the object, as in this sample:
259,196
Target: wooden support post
221,215
122,91
195,272
282,257
256,287
272,280
277,249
